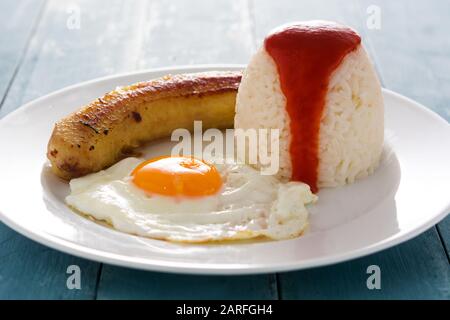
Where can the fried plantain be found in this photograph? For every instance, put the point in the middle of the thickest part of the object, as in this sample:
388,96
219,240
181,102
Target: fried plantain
104,131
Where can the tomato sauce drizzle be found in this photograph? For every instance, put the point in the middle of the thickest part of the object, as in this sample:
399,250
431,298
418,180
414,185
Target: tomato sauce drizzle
306,55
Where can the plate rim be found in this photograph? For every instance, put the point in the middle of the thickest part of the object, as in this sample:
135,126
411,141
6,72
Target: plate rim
159,265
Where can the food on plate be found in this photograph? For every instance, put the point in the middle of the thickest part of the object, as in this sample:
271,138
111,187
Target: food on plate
106,130
187,200
315,82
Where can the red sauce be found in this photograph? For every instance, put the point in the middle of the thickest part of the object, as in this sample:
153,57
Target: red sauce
306,55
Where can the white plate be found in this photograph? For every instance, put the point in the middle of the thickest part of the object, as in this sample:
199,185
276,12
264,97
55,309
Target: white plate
408,194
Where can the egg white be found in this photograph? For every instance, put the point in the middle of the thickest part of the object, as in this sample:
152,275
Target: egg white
249,205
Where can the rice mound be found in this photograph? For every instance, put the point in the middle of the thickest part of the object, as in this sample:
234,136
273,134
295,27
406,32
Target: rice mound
352,124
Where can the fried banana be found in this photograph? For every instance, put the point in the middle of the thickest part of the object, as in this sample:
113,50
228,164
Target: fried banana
106,130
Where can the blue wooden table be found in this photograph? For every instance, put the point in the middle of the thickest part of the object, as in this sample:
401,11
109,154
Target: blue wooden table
47,45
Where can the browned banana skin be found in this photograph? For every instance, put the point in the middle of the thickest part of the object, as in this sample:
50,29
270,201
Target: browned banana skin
101,133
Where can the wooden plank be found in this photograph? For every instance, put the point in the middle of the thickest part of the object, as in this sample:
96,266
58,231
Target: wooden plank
120,283
196,32
29,270
59,56
418,268
444,232
412,47
17,20
180,33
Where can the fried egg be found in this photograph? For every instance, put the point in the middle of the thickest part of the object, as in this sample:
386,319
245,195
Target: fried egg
185,199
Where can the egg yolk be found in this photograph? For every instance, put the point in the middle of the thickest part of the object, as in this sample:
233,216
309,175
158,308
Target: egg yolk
177,176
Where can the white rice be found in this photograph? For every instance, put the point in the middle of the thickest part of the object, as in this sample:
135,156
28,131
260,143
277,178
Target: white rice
351,131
